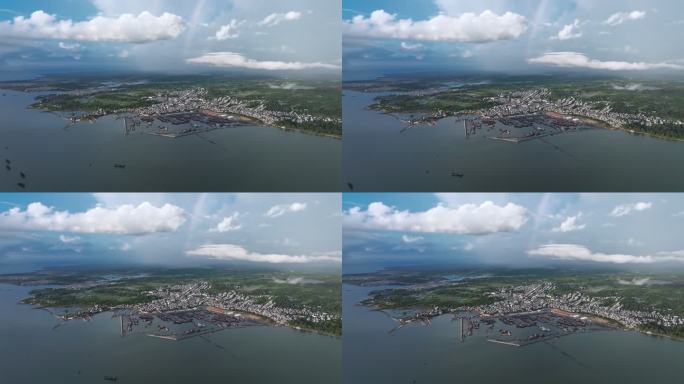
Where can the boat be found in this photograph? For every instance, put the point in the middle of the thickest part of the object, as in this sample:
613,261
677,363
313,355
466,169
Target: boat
117,165
111,378
21,185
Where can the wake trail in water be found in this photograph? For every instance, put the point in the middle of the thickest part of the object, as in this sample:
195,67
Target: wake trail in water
559,149
218,346
211,142
566,354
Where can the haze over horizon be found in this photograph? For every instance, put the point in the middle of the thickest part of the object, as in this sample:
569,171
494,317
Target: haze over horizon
624,231
517,37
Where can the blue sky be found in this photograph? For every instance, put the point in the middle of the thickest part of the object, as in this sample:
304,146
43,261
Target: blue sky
170,35
516,230
524,36
277,230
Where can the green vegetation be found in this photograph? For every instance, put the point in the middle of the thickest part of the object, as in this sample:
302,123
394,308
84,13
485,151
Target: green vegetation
108,295
332,327
449,100
447,297
107,101
674,332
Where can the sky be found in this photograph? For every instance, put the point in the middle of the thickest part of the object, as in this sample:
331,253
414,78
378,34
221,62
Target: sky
290,231
633,37
170,35
514,230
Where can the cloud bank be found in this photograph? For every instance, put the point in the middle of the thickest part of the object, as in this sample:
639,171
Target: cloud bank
124,220
582,253
468,27
471,219
238,253
236,60
126,28
580,60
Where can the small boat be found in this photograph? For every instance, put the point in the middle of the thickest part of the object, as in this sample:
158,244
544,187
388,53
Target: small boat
456,174
350,185
8,167
21,185
22,174
111,378
119,165
8,161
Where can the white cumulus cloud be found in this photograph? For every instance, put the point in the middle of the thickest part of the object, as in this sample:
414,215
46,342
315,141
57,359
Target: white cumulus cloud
582,253
238,253
580,60
236,60
626,209
126,219
468,27
620,17
465,219
126,28
277,18
228,224
228,31
570,31
570,224
281,209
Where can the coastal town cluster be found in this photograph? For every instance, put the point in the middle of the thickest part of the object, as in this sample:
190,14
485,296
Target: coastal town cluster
197,99
196,296
534,101
535,297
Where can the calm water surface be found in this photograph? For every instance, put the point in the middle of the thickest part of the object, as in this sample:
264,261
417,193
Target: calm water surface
82,157
434,354
31,351
377,156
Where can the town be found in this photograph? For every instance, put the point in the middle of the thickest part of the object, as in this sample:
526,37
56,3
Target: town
199,107
195,296
541,297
